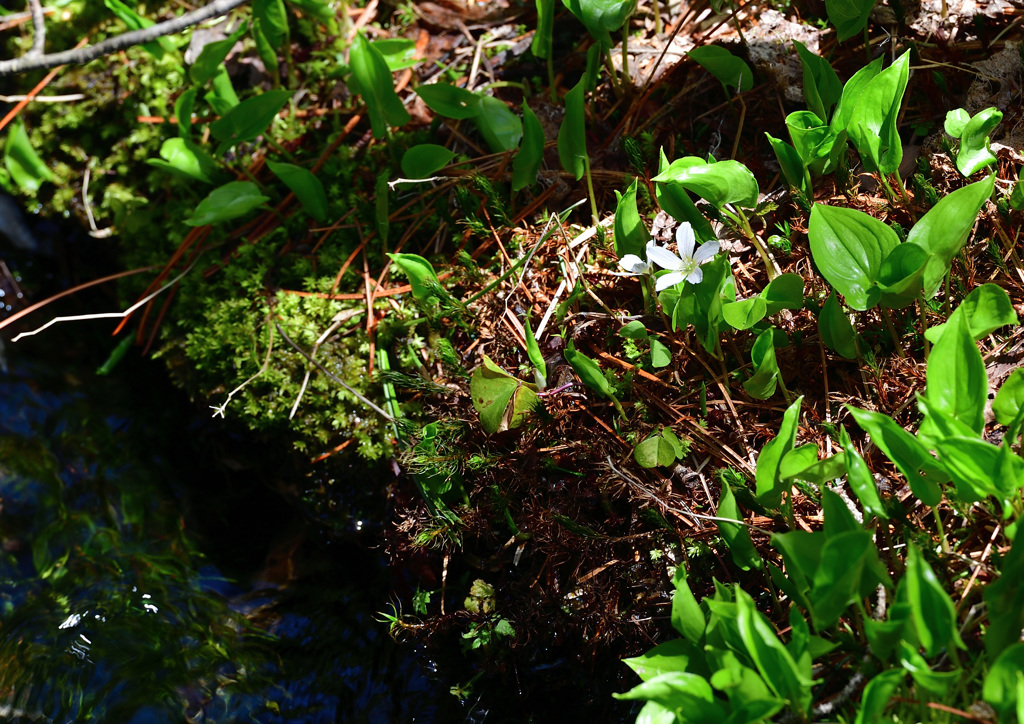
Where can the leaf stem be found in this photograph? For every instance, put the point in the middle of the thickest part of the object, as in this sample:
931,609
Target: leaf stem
769,263
590,190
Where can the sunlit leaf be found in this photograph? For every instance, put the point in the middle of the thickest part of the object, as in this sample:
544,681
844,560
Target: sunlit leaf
449,101
746,313
986,308
761,385
527,162
837,333
227,202
501,400
376,86
934,614
630,233
769,484
422,276
872,127
27,169
822,88
731,72
721,183
957,383
500,127
736,536
250,118
306,187
860,478
425,160
572,134
212,55
975,152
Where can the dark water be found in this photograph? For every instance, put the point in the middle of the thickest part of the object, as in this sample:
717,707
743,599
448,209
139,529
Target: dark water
155,565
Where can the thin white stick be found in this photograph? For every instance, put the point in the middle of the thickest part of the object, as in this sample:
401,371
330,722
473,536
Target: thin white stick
45,99
110,315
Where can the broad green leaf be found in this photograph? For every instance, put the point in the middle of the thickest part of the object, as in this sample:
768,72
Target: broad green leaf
535,355
839,578
183,112
212,55
27,169
837,333
227,202
797,465
134,21
731,72
653,452
851,94
812,138
631,234
922,472
943,231
761,385
822,88
848,16
601,17
721,183
250,118
501,400
449,101
977,467
675,655
425,160
786,291
273,20
184,158
676,201
572,134
1010,398
769,485
956,121
634,330
1005,601
794,170
687,617
318,9
422,277
848,247
306,187
540,46
746,313
872,127
589,371
266,51
527,162
975,152
1016,199
500,127
1003,683
877,695
934,615
939,683
986,308
956,380
661,356
838,517
398,53
901,278
736,536
861,479
376,86
221,97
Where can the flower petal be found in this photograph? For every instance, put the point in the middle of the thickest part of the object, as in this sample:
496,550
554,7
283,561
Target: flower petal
706,251
668,280
685,239
633,264
664,258
695,276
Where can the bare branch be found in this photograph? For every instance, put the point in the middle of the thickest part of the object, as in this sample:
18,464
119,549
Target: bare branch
119,42
38,29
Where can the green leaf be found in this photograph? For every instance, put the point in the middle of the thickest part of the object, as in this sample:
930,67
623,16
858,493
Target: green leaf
134,21
501,400
761,385
536,357
540,46
812,138
27,169
634,330
266,51
956,121
837,333
273,20
769,483
250,118
794,169
318,9
116,355
630,233
221,96
838,580
851,94
381,206
376,86
422,276
736,536
922,472
872,127
939,683
725,182
306,187
227,202
653,452
1005,601
449,101
975,152
786,291
212,55
848,247
1010,398
986,308
1016,199
601,17
675,655
860,478
687,617
572,134
661,356
590,373
746,313
943,231
977,467
877,695
184,158
731,72
901,278
425,160
956,380
822,88
499,126
1003,683
398,53
933,612
677,203
183,112
527,162
848,16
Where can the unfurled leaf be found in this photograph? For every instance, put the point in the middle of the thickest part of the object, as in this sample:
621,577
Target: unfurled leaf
786,291
848,247
376,86
212,55
183,112
318,9
398,53
721,183
851,94
382,205
980,468
837,333
27,169
535,355
872,127
1010,398
848,16
687,617
975,152
589,371
957,383
273,20
938,683
422,276
794,169
674,655
221,96
653,452
901,278
572,134
227,202
761,385
676,201
499,126
181,156
746,313
736,536
134,21
630,233
769,483
250,118
601,17
877,695
822,88
306,187
449,101
860,478
527,162
501,400
425,160
1005,601
540,46
986,308
731,72
933,612
1004,683
266,51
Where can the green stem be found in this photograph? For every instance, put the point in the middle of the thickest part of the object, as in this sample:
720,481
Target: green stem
769,263
904,194
551,78
949,300
590,190
889,193
924,326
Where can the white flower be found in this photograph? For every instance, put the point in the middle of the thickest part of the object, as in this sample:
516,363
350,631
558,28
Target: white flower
686,266
634,265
